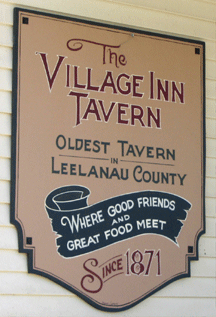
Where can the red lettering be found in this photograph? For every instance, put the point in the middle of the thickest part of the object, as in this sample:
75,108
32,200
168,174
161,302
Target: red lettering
137,84
78,97
106,115
165,91
89,85
156,119
76,84
127,84
109,82
94,110
51,78
91,280
121,112
176,91
137,116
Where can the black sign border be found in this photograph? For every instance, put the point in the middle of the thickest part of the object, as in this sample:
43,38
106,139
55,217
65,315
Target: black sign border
21,234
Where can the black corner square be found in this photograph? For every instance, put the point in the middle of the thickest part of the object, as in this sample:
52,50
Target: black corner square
29,240
25,20
197,51
190,249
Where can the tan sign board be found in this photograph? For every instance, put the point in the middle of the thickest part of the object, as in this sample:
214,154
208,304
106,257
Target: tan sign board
107,156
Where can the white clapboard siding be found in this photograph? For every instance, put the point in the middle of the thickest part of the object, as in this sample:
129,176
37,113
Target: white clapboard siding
5,79
6,57
136,15
5,168
192,8
210,128
5,101
16,283
29,295
210,49
210,88
211,69
205,267
211,167
210,227
67,306
211,208
5,146
210,187
27,284
199,286
5,124
12,261
207,247
9,238
210,108
5,13
195,9
211,148
4,214
6,38
5,191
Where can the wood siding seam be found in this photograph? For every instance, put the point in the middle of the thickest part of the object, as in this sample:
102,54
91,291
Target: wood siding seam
146,8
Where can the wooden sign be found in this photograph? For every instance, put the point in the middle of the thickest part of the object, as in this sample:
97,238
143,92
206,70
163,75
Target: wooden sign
107,156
